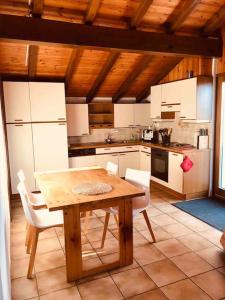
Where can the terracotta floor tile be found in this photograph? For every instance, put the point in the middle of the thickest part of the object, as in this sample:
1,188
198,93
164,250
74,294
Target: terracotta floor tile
19,267
222,270
88,252
92,263
168,208
52,280
23,288
147,254
46,234
191,264
66,294
213,283
94,235
111,246
177,229
151,295
159,233
213,236
140,224
118,270
19,226
153,211
184,290
126,282
163,220
171,247
92,223
214,256
18,251
18,238
164,272
109,258
49,260
48,245
99,289
195,241
139,240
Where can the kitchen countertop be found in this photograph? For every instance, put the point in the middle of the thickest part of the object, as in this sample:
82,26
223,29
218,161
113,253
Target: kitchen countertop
132,143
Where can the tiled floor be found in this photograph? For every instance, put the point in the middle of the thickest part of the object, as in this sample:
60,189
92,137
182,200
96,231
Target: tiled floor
186,262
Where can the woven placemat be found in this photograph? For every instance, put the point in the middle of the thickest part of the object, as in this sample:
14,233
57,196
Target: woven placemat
92,188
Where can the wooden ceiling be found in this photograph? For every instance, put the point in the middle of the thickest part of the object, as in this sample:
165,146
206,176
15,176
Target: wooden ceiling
106,72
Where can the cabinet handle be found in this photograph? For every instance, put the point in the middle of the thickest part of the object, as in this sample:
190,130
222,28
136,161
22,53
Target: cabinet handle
174,154
18,120
138,125
107,149
148,154
129,147
122,154
84,133
170,106
61,123
19,125
163,101
61,119
182,117
114,154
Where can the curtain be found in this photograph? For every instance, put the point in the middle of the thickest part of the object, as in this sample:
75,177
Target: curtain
5,287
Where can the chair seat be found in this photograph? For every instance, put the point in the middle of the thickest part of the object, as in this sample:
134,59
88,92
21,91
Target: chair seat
43,218
37,199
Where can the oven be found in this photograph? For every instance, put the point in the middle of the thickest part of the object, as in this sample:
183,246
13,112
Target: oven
159,164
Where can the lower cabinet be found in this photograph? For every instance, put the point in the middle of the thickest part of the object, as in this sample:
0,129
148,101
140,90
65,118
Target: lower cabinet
102,159
145,161
128,160
82,161
175,172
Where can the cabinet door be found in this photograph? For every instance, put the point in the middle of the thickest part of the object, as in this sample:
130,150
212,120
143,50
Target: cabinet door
188,99
171,93
156,95
83,161
128,160
102,159
47,101
145,161
50,146
175,172
17,102
142,114
20,147
123,115
77,119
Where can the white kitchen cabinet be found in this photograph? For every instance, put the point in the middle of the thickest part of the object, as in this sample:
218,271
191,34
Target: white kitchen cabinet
82,161
156,96
128,160
123,115
20,149
175,172
50,146
142,114
103,159
47,101
145,161
171,93
17,102
77,119
188,99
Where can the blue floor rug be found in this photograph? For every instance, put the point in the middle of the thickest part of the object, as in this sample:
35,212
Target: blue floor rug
211,211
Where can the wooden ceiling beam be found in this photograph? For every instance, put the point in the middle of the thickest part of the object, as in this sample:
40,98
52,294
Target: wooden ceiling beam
143,94
72,65
92,11
65,34
182,15
32,60
213,24
142,64
139,13
37,8
102,75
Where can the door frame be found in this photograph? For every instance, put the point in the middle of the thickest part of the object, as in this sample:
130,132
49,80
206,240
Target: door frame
217,192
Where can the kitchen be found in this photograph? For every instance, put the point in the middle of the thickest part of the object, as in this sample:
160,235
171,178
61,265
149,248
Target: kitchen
78,112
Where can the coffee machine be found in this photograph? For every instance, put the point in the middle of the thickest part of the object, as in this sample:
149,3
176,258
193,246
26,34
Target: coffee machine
147,135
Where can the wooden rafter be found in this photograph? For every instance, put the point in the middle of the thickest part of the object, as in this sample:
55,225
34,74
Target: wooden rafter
65,34
92,10
37,8
73,64
32,61
217,20
157,78
142,63
140,12
182,14
101,77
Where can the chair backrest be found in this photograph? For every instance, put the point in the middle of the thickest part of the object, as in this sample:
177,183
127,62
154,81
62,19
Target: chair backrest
111,167
28,210
21,175
139,177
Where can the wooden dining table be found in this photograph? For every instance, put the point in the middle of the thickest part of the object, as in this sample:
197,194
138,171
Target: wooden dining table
57,189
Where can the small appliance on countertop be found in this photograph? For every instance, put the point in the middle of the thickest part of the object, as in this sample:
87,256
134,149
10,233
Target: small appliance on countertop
147,135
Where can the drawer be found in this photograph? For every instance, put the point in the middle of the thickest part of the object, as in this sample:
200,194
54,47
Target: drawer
170,108
145,149
117,149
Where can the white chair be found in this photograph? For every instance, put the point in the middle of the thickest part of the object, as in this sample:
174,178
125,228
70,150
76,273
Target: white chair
37,199
142,180
38,220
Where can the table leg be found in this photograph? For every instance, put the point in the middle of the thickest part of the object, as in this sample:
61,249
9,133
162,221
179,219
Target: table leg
126,232
73,243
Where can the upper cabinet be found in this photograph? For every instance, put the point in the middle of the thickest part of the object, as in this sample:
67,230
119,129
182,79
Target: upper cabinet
123,115
17,102
171,93
47,101
196,98
142,114
156,98
77,119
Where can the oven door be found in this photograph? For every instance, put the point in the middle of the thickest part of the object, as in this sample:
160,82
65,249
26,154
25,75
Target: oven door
159,164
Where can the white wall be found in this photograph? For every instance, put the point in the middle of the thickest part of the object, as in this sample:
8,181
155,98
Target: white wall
5,288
